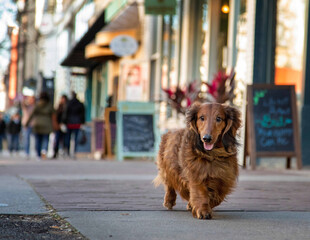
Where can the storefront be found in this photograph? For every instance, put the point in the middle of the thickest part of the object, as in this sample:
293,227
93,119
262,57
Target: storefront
262,40
107,72
193,47
187,41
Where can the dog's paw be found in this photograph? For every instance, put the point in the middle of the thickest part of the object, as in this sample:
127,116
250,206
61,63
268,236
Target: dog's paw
168,205
201,214
189,207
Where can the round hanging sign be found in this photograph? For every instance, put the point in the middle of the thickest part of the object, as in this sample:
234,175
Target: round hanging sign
123,45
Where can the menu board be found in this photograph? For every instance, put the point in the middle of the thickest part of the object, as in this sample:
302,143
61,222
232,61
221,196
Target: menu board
272,122
137,130
138,133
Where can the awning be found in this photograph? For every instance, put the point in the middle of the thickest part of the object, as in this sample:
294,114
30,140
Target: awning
105,37
127,19
100,49
93,51
76,57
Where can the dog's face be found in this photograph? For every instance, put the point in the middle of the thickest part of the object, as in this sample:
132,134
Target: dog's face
214,123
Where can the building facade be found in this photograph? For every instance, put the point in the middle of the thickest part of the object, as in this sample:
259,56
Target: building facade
178,42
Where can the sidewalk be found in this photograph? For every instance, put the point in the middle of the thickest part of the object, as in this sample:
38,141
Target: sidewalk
113,200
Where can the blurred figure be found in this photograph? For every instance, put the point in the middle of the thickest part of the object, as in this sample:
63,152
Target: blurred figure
2,131
61,129
74,117
27,108
43,117
14,129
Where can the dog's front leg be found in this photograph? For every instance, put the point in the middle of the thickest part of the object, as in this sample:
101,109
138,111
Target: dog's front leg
200,201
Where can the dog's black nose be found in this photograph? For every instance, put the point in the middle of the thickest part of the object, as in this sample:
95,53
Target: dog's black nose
207,138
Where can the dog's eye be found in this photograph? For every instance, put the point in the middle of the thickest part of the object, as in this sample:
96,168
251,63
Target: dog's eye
218,119
202,118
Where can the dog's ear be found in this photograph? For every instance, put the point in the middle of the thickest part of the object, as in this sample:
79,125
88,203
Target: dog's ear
191,116
233,123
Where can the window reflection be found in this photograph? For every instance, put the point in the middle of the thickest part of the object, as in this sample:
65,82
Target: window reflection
170,49
290,42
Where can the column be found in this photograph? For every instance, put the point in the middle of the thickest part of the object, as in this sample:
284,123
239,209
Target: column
305,110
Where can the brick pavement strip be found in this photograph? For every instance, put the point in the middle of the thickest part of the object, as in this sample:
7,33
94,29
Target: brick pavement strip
121,195
103,185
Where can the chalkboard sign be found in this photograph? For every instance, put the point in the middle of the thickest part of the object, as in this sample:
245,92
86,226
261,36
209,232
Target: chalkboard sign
272,122
137,132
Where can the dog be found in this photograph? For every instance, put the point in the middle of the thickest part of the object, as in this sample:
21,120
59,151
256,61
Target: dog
200,161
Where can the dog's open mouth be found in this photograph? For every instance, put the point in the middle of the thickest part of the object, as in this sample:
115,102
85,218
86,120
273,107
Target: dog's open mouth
208,146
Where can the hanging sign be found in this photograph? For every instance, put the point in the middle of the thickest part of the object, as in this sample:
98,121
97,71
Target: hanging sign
160,7
123,45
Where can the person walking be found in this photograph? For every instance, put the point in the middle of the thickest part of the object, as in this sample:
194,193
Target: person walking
2,131
61,129
14,129
27,108
74,117
44,119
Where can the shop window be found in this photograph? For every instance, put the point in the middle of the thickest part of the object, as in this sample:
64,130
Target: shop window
244,53
204,39
99,91
81,19
289,43
242,43
171,48
223,34
214,32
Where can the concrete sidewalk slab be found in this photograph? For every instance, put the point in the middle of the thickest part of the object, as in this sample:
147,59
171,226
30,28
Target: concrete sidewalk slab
17,197
133,225
112,200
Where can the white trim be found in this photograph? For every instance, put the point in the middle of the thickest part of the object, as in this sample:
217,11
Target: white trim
185,43
157,56
251,9
232,32
214,21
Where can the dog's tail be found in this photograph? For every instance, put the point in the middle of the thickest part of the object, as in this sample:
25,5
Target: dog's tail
157,181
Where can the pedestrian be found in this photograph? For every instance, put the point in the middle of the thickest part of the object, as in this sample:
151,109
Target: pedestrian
61,129
2,131
74,117
44,118
14,129
27,108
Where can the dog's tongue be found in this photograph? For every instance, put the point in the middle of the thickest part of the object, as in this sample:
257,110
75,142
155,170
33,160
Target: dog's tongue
208,146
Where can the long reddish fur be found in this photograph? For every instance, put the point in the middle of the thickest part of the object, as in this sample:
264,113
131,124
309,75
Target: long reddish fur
203,178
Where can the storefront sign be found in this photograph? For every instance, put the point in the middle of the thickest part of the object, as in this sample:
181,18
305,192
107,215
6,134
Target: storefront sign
123,45
160,7
134,80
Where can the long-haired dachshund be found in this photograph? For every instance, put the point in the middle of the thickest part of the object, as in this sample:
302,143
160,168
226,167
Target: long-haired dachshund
200,162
